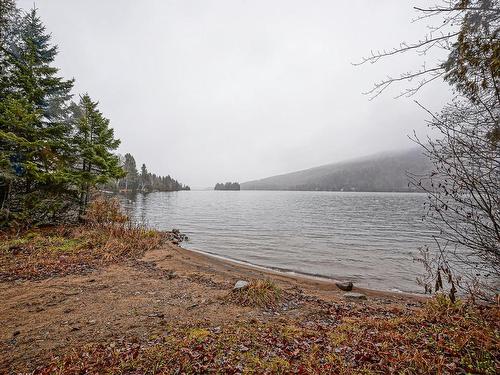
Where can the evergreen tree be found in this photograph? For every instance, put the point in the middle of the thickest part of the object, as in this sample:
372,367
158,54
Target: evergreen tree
35,78
35,135
227,186
9,35
94,142
11,112
144,178
130,168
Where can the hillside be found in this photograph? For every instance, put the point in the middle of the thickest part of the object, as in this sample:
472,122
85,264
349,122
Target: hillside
380,172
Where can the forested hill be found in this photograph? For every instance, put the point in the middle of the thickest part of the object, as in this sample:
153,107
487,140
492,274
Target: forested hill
380,172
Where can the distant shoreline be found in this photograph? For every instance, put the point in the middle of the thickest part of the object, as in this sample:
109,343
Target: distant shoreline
311,191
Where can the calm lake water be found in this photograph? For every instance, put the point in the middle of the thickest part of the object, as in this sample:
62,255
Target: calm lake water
369,238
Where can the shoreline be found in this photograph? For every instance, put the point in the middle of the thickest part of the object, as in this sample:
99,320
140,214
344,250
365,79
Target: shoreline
306,281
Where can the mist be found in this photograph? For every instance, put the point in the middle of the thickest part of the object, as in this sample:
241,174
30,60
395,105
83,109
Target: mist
211,91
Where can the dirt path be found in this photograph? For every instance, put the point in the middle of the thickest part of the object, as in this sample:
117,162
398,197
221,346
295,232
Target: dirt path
39,319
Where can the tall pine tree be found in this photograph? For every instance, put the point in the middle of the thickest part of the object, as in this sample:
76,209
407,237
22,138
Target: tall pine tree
34,132
144,178
132,176
93,142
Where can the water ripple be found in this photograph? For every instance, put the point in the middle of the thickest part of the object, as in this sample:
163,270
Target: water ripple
370,238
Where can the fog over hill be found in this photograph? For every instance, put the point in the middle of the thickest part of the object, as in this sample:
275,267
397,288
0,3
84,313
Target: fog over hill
380,172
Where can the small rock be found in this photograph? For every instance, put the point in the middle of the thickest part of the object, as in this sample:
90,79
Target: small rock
170,274
156,315
15,333
354,296
345,286
240,284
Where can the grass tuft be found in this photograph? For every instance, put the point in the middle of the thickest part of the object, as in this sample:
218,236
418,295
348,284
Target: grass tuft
260,293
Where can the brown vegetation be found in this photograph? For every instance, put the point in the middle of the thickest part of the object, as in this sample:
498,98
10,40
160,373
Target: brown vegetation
42,253
260,293
440,338
107,236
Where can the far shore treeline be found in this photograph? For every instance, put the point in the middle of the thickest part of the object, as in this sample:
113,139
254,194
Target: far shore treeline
54,150
227,186
142,181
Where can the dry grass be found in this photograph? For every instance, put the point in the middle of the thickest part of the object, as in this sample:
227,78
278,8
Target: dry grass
106,236
438,339
259,293
42,253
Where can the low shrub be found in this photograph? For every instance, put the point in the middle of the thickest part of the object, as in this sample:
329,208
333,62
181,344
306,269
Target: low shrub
103,211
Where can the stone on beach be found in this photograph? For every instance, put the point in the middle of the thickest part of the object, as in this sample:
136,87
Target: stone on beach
355,296
240,284
345,286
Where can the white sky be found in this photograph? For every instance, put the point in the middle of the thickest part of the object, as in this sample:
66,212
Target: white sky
212,91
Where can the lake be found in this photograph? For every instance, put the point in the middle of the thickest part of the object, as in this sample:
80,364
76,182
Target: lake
368,238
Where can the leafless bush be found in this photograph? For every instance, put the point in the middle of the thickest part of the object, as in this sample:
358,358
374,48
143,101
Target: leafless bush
463,187
463,192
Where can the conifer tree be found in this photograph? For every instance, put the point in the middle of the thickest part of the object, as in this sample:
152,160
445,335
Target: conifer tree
94,142
144,177
9,32
35,135
34,76
132,176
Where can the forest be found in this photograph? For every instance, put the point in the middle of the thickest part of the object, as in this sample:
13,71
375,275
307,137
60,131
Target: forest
381,172
142,181
56,149
227,186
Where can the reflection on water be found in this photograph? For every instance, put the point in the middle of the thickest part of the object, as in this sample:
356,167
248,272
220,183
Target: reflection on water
369,238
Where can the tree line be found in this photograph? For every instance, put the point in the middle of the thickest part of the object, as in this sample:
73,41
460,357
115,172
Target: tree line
143,180
53,150
227,186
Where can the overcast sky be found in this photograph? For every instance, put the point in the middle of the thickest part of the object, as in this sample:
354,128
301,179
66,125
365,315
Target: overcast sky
211,91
